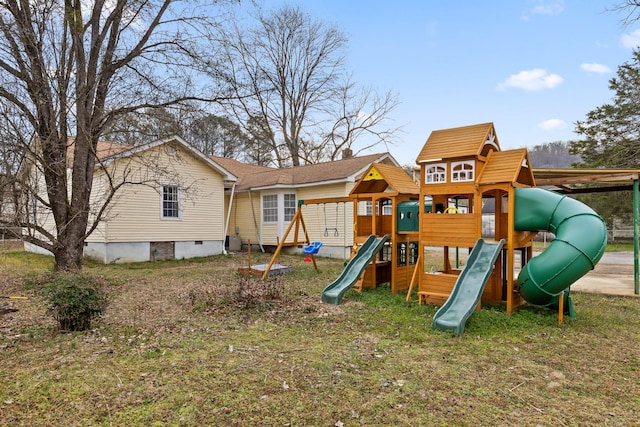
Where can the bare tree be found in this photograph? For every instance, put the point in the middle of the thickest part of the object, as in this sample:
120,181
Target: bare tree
257,149
360,115
147,125
287,71
629,10
72,67
216,135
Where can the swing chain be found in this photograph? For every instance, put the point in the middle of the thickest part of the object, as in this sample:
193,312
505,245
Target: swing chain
336,233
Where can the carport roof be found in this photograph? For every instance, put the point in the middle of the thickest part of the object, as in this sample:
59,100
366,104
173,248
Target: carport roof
570,180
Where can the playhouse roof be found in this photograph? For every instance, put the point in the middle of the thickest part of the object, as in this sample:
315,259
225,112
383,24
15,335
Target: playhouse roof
465,141
385,178
507,167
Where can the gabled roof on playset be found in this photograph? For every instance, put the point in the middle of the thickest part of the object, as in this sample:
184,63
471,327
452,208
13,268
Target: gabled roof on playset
507,167
385,178
465,141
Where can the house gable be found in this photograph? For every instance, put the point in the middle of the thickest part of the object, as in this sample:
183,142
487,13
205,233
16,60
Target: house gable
135,213
170,145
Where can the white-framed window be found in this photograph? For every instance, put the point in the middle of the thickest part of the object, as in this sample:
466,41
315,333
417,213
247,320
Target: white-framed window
435,173
289,206
270,208
462,171
170,208
386,208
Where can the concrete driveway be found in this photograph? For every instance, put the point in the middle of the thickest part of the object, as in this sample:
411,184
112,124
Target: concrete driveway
613,275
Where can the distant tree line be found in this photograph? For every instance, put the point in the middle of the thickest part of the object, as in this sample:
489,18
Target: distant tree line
553,155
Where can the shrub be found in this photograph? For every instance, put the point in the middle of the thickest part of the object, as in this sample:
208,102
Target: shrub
74,300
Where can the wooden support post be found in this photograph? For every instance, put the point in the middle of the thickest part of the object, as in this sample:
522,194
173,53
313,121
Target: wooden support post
295,220
510,250
249,253
560,308
415,275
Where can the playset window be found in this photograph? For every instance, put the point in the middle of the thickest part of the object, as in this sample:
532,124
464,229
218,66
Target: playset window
368,208
402,254
385,253
462,171
413,253
435,173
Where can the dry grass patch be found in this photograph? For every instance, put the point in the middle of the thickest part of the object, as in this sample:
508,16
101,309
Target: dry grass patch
193,343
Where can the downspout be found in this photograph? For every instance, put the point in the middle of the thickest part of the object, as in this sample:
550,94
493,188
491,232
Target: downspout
226,225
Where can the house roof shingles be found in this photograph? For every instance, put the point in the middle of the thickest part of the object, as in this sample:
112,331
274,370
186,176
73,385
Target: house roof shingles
104,149
254,177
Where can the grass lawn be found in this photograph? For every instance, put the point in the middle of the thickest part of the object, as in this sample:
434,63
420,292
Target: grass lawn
192,343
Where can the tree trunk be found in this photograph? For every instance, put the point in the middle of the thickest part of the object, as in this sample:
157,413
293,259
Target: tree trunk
69,250
68,259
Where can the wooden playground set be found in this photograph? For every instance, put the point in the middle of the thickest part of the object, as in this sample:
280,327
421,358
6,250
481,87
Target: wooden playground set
465,180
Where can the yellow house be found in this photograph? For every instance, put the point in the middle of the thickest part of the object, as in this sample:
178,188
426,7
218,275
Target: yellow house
176,202
171,204
264,200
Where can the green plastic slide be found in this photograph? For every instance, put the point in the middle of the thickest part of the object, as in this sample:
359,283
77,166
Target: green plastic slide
333,293
464,298
580,241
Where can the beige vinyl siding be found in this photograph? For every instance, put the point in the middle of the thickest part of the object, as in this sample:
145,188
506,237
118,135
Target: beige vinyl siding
321,218
37,211
97,199
136,213
242,217
43,214
317,217
270,234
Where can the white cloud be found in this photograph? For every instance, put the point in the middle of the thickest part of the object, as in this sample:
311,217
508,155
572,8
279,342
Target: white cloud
595,68
547,8
531,80
632,40
544,7
552,124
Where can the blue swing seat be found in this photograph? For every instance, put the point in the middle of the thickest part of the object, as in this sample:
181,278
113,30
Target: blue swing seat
313,248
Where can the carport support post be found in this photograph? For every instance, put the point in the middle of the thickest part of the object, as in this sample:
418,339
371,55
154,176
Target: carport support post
636,281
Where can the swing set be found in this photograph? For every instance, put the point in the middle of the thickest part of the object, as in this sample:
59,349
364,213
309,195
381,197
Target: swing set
299,228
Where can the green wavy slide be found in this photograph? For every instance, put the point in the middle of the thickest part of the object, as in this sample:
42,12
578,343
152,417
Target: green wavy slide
466,293
333,293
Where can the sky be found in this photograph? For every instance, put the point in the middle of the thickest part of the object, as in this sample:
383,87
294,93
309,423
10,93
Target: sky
532,67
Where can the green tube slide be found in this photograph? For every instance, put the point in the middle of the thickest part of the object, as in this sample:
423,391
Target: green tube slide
581,238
